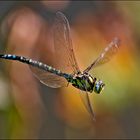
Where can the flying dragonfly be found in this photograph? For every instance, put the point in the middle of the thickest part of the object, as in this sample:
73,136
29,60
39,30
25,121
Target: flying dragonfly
65,69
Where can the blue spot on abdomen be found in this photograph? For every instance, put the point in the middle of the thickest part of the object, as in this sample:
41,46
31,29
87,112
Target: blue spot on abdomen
14,57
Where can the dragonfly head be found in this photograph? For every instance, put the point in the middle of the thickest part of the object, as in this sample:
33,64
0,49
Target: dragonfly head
98,87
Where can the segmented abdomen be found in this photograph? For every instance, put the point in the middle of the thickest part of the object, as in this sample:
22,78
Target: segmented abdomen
35,64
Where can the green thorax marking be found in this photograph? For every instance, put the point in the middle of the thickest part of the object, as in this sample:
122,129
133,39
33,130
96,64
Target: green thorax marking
83,82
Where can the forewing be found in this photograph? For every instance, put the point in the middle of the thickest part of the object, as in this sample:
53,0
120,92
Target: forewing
64,58
63,45
106,55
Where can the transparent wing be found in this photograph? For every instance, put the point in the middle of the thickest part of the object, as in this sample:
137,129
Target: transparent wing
63,45
49,79
68,58
64,58
86,99
106,55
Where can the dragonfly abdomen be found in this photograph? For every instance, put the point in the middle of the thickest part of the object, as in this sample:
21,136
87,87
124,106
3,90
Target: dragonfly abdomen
35,64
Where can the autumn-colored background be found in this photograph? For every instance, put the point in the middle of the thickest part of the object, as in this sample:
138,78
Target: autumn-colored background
29,109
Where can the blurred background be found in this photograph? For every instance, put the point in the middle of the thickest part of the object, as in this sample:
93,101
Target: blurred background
29,109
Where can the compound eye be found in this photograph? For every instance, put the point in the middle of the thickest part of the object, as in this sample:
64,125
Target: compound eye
97,87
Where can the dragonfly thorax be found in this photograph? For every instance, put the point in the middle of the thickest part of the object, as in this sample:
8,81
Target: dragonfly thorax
86,82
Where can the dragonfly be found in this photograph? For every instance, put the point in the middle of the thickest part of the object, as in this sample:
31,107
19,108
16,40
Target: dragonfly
65,69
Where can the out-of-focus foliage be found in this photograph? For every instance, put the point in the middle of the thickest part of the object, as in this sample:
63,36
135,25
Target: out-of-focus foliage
29,109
